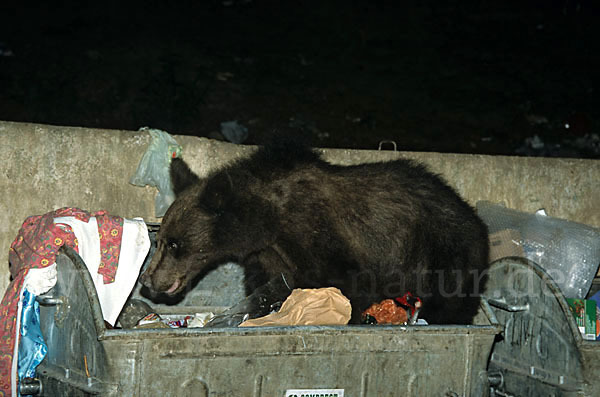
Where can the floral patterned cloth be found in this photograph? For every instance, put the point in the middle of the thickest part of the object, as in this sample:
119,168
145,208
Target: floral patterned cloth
111,230
36,246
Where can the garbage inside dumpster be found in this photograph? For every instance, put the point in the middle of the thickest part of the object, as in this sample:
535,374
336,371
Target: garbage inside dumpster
568,251
319,306
584,312
152,320
385,312
402,310
133,311
200,319
262,301
596,298
139,314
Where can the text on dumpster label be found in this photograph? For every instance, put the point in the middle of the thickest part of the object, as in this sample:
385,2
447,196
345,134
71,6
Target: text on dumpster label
314,393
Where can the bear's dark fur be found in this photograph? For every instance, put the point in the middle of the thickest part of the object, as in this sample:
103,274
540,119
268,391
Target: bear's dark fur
375,231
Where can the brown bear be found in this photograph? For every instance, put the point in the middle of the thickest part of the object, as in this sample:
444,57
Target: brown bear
374,230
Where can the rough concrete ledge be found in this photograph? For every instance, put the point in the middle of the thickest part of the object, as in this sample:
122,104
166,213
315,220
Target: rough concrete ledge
49,167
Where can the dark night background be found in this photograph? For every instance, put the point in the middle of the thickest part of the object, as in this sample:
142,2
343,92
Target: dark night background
451,76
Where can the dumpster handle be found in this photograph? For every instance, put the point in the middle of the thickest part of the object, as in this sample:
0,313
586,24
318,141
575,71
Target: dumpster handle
30,387
49,300
488,311
500,393
393,143
501,304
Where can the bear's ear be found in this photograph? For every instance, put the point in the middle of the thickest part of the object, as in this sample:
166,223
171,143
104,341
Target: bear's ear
181,176
217,193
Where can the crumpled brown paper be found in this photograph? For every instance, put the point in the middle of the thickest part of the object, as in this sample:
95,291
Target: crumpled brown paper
321,306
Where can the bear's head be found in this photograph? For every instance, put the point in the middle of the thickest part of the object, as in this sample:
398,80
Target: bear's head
213,220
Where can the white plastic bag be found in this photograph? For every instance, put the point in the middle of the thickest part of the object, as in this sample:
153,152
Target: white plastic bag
153,169
568,251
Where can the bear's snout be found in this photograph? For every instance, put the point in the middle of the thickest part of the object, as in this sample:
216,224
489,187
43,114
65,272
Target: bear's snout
146,279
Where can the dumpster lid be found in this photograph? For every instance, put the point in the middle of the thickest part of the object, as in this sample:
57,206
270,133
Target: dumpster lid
537,354
76,362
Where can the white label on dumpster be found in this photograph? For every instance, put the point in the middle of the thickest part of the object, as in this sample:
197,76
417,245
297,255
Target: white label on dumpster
314,393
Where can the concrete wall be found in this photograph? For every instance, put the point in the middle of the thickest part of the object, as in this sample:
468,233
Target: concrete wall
49,167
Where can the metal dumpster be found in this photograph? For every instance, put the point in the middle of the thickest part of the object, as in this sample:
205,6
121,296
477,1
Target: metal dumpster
525,343
566,188
86,358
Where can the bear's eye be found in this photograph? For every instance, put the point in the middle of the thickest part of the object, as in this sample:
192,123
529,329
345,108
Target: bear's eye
172,245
